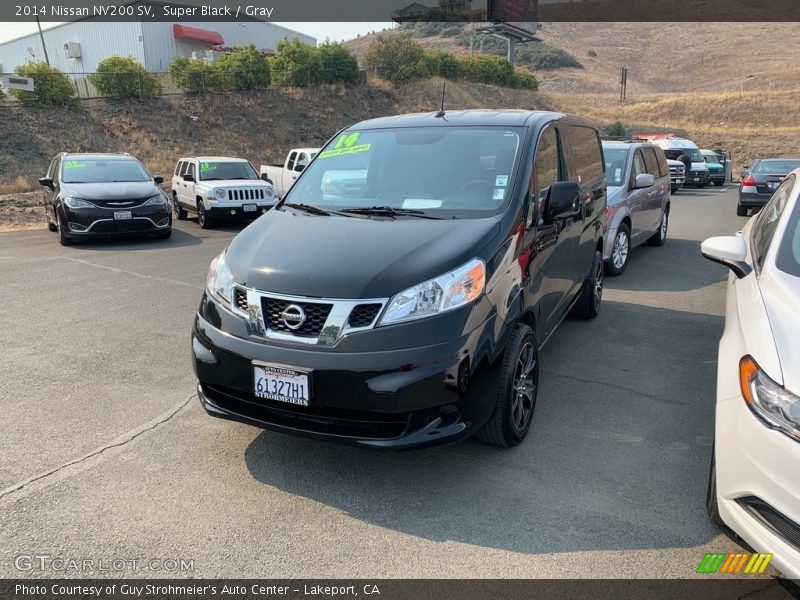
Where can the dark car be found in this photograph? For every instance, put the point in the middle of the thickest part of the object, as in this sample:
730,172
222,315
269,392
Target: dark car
408,307
760,180
100,195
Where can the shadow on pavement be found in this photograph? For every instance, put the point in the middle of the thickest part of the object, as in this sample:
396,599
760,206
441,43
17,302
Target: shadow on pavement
178,239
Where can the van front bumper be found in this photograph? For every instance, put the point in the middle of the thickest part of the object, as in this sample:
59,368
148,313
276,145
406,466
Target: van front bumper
399,398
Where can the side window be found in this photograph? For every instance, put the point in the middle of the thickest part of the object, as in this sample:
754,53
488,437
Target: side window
52,170
302,159
546,169
768,219
663,165
56,175
290,164
638,167
178,168
584,155
651,162
190,170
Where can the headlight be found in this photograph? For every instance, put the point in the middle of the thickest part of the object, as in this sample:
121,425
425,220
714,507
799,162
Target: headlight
220,280
777,407
219,193
446,292
77,203
157,200
269,192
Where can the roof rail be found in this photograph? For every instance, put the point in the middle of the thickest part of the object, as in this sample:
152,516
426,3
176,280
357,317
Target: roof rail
655,135
623,138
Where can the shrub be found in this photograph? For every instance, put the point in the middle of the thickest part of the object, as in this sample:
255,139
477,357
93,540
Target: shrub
487,69
2,95
617,129
440,63
396,58
592,53
338,63
51,86
192,75
524,80
243,69
124,77
297,64
540,56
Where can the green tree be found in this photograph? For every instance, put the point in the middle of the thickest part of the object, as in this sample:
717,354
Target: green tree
243,69
396,58
338,63
525,80
51,87
189,74
124,77
484,68
617,129
297,64
440,63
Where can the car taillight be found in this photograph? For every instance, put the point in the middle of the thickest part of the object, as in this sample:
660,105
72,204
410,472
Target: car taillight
749,181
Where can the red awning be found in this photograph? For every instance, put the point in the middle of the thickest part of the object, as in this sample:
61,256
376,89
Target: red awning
182,32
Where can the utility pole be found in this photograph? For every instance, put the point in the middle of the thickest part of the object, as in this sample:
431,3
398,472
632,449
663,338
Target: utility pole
623,84
41,37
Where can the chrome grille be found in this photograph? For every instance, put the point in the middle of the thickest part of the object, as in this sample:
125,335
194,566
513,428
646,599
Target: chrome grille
316,315
363,315
240,299
239,194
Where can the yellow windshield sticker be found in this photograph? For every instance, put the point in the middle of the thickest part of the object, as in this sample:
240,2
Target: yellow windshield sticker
74,164
205,167
340,151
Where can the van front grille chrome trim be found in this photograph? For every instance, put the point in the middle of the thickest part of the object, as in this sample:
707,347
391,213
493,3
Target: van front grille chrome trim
249,302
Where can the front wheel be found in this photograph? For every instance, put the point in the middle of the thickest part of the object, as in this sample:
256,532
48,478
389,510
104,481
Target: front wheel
180,213
62,237
660,236
516,396
619,251
588,304
50,225
203,219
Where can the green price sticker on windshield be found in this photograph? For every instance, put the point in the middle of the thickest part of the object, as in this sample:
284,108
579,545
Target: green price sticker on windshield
205,167
346,144
74,164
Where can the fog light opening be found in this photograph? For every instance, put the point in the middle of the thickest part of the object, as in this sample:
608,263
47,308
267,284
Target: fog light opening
77,227
463,376
163,222
203,354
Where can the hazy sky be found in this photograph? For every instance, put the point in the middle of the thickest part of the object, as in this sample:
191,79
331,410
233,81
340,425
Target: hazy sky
334,31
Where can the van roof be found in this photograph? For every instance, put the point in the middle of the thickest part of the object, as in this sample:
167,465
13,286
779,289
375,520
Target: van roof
466,118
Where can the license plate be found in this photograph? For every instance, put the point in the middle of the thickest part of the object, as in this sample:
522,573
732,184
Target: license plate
250,208
122,215
695,179
284,384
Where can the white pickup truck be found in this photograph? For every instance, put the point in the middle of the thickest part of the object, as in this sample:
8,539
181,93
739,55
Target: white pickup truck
283,176
219,187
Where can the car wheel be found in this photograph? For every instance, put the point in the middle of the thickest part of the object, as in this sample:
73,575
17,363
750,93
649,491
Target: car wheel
741,211
203,219
516,396
588,304
712,504
62,238
180,213
50,225
619,251
701,185
660,236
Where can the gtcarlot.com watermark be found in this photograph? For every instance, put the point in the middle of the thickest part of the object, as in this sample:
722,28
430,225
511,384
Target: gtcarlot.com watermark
45,563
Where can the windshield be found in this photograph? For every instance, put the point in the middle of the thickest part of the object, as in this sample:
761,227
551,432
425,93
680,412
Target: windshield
676,153
775,167
228,169
444,171
788,257
106,170
615,165
711,158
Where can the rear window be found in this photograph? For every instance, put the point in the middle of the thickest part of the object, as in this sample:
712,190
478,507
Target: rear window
775,167
105,170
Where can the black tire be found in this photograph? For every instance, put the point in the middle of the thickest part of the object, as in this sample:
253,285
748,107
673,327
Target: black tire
588,304
50,225
701,185
516,395
620,251
203,219
62,238
180,213
659,238
674,189
164,235
712,505
741,211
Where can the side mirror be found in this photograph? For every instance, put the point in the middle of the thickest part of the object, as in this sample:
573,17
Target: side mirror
562,199
299,168
189,178
728,250
158,180
265,177
47,182
644,180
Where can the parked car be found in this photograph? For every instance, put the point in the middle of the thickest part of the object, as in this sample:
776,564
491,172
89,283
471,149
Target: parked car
754,486
677,174
716,168
283,176
219,188
101,195
677,148
638,180
409,311
760,180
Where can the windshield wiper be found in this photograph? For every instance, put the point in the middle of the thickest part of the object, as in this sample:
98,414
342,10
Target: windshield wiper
211,179
390,211
314,210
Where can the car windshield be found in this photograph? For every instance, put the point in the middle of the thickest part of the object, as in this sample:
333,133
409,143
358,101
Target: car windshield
444,171
711,158
676,153
227,169
615,165
788,257
103,170
775,167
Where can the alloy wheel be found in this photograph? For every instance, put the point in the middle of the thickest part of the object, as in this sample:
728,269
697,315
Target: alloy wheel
619,253
664,226
523,387
598,285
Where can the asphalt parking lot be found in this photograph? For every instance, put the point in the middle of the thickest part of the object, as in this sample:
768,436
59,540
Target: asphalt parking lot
106,454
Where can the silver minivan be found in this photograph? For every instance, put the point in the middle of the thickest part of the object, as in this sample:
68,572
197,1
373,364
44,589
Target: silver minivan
638,181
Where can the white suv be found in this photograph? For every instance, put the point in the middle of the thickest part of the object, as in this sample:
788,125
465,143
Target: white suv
219,187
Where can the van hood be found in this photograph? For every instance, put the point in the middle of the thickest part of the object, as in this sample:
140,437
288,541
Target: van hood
295,253
124,190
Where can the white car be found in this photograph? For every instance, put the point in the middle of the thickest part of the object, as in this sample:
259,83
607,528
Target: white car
219,188
754,483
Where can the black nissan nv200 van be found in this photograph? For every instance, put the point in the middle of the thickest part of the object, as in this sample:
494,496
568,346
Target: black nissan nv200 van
399,294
